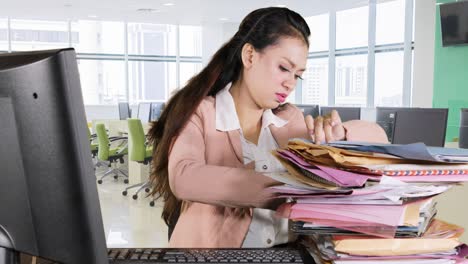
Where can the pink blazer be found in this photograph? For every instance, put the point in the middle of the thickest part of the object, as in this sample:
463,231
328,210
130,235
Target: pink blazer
206,172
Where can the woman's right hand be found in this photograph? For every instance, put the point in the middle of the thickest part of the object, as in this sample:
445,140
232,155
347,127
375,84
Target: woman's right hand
325,129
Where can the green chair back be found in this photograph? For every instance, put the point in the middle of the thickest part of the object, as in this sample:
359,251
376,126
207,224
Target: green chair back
103,141
89,134
94,146
137,148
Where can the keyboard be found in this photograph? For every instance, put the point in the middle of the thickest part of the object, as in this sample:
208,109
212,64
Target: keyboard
212,256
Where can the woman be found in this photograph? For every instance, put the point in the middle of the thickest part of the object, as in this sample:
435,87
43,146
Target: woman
213,141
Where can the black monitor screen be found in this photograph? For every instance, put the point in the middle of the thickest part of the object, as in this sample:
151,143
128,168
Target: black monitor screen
156,110
427,125
385,117
346,113
463,135
124,111
144,112
307,109
453,21
49,201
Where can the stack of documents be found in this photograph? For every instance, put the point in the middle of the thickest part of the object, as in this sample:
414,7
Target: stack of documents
393,217
363,203
439,244
351,164
423,164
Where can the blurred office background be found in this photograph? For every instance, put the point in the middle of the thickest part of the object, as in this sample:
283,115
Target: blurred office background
363,53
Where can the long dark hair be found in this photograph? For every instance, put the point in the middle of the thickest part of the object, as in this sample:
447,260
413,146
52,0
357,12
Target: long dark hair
261,28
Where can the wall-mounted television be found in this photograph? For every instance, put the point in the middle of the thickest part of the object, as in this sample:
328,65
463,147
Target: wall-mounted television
454,23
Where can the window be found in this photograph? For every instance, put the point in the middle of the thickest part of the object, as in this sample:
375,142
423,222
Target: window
319,32
315,83
351,80
149,80
98,37
38,35
352,28
190,39
151,39
151,57
389,79
102,81
292,96
3,34
188,70
390,22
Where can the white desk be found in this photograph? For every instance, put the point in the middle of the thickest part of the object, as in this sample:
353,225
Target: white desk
113,125
451,206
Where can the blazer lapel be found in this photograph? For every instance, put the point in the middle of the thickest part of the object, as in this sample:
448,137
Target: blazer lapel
234,139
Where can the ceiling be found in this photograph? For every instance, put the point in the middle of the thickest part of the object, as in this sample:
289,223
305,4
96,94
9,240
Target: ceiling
193,12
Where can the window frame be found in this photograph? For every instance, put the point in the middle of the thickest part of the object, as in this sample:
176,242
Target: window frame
125,56
371,49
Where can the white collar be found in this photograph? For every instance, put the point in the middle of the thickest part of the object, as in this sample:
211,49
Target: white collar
226,115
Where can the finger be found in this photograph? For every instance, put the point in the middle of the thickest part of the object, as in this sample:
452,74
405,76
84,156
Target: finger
335,118
338,130
309,120
319,134
327,129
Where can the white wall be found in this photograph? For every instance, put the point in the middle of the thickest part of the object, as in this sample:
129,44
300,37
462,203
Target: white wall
423,65
229,29
95,112
214,35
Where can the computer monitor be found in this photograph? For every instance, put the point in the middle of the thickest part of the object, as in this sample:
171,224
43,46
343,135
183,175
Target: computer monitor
156,110
463,136
124,111
385,117
346,113
49,202
427,125
144,112
309,109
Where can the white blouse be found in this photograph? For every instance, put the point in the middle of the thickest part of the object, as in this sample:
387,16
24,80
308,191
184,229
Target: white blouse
266,229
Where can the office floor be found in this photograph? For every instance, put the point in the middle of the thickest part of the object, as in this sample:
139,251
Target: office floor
127,222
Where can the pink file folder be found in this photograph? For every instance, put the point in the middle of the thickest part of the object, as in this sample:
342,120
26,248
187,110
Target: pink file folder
386,215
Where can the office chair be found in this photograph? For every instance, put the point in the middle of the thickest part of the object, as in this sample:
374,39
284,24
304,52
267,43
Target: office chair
94,150
93,145
111,155
139,152
463,136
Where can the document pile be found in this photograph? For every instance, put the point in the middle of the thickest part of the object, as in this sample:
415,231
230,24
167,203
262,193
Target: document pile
364,203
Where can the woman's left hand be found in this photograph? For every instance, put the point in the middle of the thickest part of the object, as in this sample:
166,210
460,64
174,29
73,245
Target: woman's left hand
325,129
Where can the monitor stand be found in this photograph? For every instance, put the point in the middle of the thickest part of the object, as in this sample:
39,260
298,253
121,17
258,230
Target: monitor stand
7,254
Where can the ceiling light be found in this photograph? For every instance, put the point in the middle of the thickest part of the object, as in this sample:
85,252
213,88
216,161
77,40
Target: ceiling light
147,10
168,4
280,5
223,19
92,16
